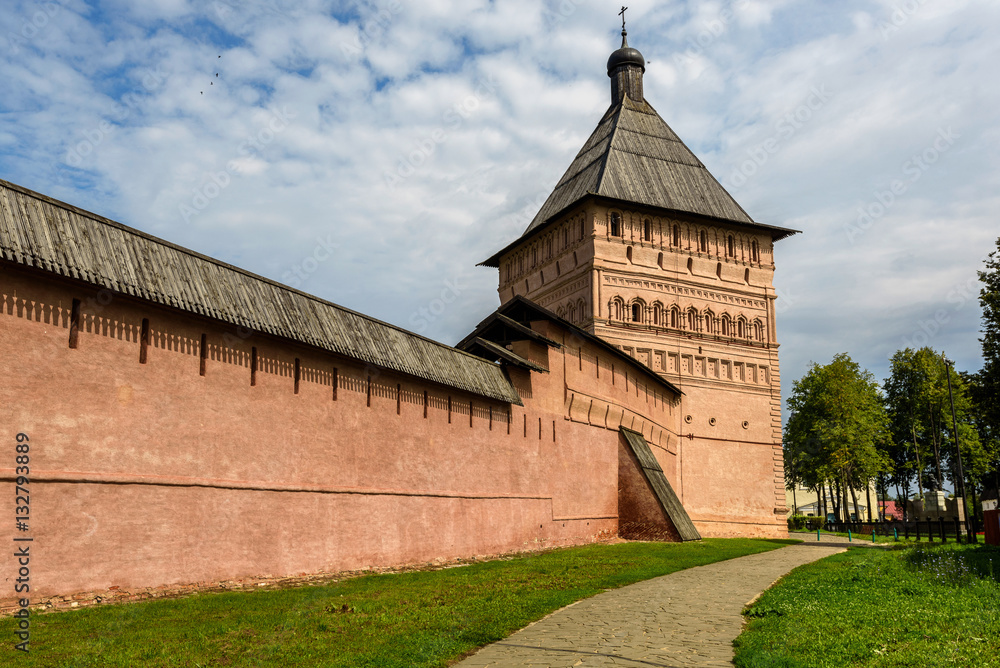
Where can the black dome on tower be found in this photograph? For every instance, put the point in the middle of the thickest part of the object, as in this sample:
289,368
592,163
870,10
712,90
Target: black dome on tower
625,56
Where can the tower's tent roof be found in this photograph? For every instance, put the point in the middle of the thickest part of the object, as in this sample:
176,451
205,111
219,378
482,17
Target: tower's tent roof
634,156
40,232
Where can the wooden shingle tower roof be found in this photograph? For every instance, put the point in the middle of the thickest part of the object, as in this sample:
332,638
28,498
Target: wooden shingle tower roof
634,157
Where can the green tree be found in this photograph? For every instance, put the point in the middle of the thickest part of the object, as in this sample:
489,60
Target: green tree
987,386
905,397
919,408
989,437
837,428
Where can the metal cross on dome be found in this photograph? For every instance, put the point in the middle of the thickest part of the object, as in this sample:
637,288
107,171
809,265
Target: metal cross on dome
622,14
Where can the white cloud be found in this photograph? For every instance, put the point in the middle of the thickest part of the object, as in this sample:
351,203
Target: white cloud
398,89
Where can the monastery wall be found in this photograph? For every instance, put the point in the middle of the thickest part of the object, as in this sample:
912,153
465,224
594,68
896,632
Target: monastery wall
156,473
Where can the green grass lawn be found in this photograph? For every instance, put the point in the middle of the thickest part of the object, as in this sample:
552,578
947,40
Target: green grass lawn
425,618
919,606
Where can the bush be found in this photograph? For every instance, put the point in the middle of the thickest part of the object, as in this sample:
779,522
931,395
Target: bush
804,522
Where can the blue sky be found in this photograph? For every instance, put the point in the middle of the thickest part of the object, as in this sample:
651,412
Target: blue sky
373,153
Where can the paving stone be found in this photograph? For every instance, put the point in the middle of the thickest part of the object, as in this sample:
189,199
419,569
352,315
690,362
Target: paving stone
688,618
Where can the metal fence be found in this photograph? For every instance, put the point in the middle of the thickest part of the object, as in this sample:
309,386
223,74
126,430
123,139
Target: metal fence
931,529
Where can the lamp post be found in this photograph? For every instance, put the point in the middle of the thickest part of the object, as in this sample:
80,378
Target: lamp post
958,452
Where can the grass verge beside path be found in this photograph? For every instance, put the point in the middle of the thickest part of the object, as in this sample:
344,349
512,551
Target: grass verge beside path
919,606
425,618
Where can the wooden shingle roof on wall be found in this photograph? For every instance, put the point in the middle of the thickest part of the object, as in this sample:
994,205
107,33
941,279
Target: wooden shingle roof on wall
40,232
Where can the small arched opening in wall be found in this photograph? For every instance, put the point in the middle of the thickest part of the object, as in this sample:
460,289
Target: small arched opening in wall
628,254
703,242
659,260
617,309
690,265
676,236
730,246
746,276
616,224
709,322
718,270
754,252
637,309
647,231
657,314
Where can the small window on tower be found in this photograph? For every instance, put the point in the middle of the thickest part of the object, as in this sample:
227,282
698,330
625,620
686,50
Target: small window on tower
677,236
636,313
647,231
616,225
730,246
703,242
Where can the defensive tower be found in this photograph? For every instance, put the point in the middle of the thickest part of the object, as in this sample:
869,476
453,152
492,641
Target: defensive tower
640,245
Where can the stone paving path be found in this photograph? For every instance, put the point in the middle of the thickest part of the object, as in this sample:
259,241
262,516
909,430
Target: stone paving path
688,618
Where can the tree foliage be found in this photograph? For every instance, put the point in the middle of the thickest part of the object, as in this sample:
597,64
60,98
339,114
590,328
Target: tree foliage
838,426
987,390
923,431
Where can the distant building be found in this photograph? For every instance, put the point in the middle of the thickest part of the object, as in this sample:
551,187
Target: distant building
805,501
